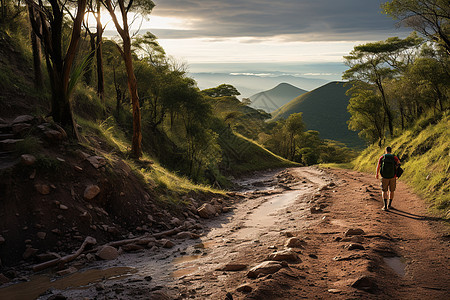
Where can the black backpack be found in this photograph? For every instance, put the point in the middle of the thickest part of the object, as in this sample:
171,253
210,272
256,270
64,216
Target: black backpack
388,165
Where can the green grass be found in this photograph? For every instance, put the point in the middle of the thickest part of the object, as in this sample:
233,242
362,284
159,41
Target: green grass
425,158
242,155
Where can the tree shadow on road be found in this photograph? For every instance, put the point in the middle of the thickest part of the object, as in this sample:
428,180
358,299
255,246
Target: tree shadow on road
406,214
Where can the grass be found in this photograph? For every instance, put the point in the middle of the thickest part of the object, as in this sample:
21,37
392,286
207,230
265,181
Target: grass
425,158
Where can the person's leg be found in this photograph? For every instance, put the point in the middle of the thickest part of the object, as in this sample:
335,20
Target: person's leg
392,187
384,192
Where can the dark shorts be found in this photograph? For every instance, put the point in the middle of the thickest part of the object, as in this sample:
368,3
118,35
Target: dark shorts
388,183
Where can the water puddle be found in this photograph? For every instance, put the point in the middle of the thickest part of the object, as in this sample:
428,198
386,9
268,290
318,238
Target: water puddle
397,264
186,258
41,283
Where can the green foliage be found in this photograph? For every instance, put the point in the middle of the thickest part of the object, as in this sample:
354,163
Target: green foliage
425,157
47,163
86,103
29,145
223,90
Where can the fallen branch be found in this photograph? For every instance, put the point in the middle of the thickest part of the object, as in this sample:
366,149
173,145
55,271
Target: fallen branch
61,261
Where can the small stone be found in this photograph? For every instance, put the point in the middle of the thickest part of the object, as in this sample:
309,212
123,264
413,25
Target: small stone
233,267
108,253
295,243
365,283
334,291
91,191
168,244
23,119
148,278
63,207
284,255
267,267
206,211
245,288
43,189
41,235
27,159
78,168
355,246
3,279
29,252
2,240
97,161
53,135
33,174
354,231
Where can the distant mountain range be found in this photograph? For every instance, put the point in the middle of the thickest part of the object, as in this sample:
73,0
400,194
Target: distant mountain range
275,98
249,83
325,110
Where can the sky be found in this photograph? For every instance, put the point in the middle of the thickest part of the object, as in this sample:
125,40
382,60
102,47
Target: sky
215,34
267,31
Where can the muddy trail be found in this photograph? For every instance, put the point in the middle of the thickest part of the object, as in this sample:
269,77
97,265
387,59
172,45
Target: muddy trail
300,233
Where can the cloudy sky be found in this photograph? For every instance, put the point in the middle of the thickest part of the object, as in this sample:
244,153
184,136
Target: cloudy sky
240,31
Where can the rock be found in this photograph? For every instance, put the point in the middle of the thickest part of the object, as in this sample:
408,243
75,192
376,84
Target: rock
267,267
365,283
42,189
206,211
233,267
9,144
168,244
2,240
23,119
353,239
21,128
53,135
176,222
108,253
91,191
355,246
33,174
46,256
41,235
334,291
57,297
284,255
97,161
295,243
29,252
316,210
3,279
67,271
148,278
245,288
354,231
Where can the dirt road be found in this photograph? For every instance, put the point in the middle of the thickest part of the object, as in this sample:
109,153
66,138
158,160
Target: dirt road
400,254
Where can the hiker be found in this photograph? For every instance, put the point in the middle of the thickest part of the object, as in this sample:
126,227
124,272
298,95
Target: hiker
387,166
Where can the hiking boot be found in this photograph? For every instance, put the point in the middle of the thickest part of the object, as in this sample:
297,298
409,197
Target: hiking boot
384,208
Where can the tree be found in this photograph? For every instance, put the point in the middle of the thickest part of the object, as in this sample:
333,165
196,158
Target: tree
125,50
222,91
429,17
59,59
374,63
294,127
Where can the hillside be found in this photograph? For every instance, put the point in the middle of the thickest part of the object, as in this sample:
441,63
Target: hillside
325,110
249,84
424,153
276,97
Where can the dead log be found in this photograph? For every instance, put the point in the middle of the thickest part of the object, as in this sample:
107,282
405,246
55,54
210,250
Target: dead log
61,261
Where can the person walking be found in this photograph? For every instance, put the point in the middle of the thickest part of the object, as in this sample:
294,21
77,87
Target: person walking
387,166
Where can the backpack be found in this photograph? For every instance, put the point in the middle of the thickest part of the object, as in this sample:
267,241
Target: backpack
388,165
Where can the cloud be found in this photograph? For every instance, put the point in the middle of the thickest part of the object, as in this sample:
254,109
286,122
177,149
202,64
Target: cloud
306,20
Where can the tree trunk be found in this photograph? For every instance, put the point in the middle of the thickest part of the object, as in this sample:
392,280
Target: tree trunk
36,46
100,77
87,76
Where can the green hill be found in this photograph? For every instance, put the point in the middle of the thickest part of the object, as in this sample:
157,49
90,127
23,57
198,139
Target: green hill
276,97
325,110
424,153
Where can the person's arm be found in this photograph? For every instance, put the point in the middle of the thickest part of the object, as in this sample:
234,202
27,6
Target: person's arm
378,168
397,160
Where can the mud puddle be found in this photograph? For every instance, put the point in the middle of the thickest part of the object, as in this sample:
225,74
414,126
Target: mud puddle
41,283
398,264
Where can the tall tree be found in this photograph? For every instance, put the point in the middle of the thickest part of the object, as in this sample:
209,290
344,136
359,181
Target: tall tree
429,17
125,50
36,47
59,59
374,63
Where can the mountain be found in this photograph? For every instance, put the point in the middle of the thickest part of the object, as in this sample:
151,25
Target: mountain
275,98
251,83
325,110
